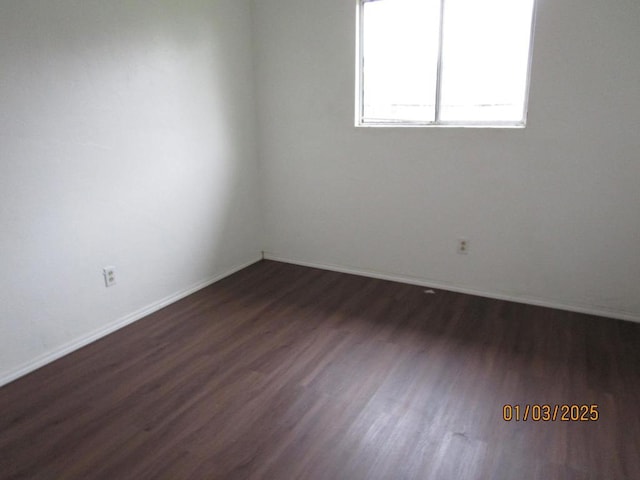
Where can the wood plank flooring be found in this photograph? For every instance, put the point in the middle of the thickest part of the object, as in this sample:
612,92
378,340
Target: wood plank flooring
284,372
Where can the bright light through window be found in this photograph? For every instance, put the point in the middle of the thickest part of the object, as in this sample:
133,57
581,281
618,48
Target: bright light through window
444,62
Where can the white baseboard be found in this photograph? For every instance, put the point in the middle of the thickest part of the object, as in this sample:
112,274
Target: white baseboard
85,340
618,315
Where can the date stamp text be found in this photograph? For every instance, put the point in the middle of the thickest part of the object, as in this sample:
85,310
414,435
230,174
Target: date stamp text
550,413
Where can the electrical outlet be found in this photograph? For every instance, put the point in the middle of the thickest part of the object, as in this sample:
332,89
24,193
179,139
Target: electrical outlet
463,246
109,276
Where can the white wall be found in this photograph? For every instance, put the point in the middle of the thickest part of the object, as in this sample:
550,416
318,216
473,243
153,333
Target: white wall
552,212
126,139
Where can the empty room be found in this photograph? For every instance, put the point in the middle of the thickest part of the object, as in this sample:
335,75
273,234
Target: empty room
336,239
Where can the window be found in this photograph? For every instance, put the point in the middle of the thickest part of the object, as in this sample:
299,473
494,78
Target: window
443,62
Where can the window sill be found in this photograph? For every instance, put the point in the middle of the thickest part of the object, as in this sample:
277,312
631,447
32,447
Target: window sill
441,125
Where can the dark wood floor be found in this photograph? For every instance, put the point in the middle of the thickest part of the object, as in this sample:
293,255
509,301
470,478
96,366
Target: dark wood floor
284,372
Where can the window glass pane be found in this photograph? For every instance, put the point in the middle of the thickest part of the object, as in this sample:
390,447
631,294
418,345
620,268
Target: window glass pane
485,57
400,48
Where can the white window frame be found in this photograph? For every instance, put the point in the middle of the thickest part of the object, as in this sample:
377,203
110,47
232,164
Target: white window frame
359,103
